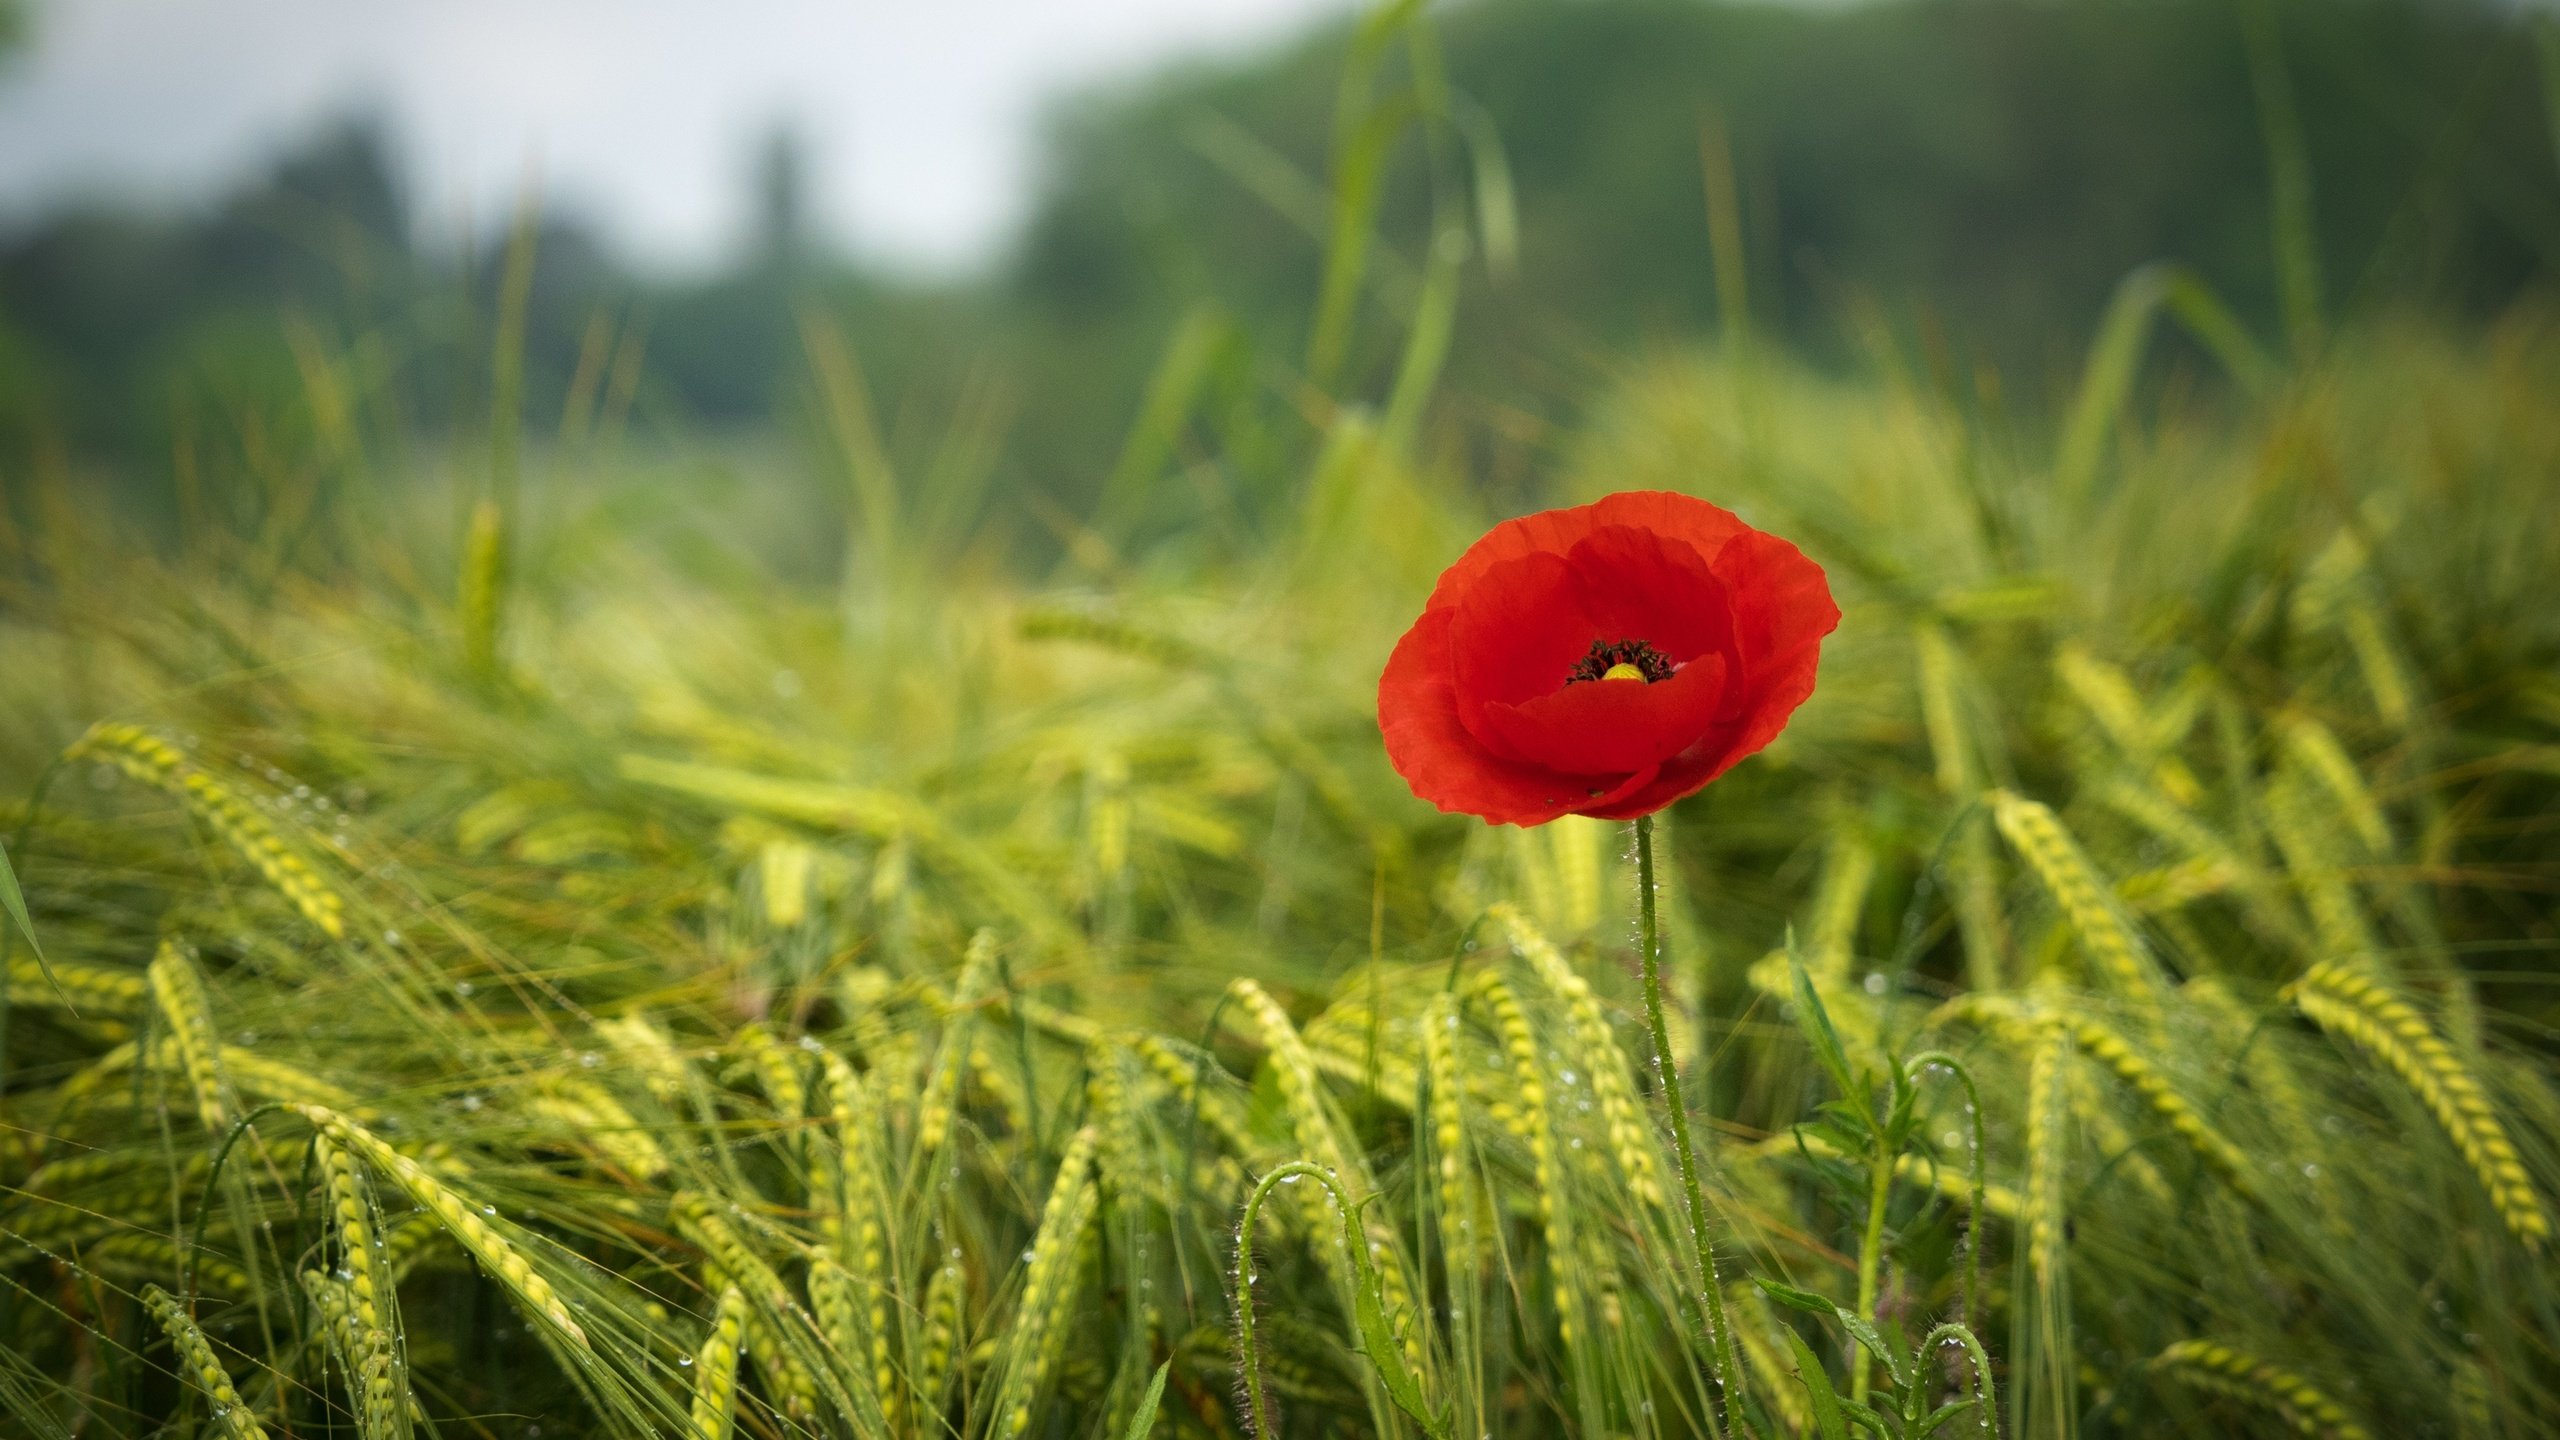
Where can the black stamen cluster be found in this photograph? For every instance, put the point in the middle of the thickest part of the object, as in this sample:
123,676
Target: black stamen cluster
1606,653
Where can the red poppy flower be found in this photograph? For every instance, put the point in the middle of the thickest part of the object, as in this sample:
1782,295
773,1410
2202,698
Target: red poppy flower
1603,660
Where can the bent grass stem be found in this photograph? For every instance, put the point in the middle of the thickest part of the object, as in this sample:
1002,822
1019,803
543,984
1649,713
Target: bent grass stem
1248,1358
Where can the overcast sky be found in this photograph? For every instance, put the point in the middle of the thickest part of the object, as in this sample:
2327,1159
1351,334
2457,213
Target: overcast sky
921,114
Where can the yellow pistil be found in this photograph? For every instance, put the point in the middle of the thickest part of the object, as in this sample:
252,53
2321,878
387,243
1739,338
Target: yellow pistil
1622,672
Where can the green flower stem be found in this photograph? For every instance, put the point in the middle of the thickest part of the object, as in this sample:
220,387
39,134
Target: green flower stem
1871,1265
1728,1372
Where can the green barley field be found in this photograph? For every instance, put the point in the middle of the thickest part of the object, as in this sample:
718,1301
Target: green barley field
505,943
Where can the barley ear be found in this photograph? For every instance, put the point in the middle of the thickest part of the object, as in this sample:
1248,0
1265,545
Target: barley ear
1529,1089
2246,1378
2037,834
855,1217
155,762
730,1262
592,1114
89,991
715,1368
1631,1137
2146,1080
934,1109
779,1073
1047,1287
373,1353
944,1298
2358,1009
195,1354
2316,749
177,988
460,1219
1459,1206
2051,1373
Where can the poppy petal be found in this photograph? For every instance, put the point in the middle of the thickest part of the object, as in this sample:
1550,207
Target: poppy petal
1643,585
1612,727
1418,714
1782,610
1517,635
1555,532
1781,601
1629,786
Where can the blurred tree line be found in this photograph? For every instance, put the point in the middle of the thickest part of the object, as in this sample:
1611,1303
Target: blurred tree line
1975,175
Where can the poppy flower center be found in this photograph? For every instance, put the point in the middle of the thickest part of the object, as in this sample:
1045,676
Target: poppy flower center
1621,660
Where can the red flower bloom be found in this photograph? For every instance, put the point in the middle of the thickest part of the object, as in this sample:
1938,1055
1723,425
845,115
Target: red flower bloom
1603,660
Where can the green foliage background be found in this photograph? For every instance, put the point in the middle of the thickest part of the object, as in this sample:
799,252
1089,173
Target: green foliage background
1975,175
